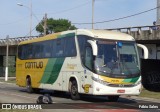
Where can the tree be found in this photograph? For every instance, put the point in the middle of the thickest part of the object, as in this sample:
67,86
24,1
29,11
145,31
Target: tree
54,26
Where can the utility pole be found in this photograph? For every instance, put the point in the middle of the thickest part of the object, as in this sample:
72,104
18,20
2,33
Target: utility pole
7,49
31,14
93,14
158,11
45,24
31,19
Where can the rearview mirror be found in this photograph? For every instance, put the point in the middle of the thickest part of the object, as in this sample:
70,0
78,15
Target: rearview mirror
94,47
145,49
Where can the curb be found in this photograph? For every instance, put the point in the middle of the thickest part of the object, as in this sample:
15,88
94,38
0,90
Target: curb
7,83
8,77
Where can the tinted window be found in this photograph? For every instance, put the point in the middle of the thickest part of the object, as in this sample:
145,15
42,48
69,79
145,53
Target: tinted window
82,41
88,58
63,47
70,47
37,50
47,49
60,44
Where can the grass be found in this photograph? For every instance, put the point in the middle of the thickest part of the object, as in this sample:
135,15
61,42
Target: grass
150,94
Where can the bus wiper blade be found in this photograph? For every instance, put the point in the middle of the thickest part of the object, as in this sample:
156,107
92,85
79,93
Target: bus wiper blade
113,67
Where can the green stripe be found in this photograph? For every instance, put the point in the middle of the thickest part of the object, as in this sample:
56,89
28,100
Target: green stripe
48,69
131,80
56,70
134,79
127,80
52,70
66,35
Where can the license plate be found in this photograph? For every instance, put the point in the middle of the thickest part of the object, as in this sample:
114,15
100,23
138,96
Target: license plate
121,91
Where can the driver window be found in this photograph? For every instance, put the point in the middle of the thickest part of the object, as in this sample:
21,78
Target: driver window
89,58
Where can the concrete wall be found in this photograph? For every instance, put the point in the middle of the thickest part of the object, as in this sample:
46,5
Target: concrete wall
11,60
152,51
146,35
12,50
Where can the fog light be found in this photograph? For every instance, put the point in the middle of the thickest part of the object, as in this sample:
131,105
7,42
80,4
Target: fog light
97,89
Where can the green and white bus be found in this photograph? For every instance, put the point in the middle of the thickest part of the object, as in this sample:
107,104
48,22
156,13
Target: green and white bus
94,62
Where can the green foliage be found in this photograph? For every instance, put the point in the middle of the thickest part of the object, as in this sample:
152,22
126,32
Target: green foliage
54,26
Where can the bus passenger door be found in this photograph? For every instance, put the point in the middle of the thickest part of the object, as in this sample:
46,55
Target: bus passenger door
64,81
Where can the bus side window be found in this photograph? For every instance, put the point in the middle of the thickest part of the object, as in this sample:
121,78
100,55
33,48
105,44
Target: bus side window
53,49
37,50
24,52
20,52
70,47
29,51
59,48
89,58
47,46
82,40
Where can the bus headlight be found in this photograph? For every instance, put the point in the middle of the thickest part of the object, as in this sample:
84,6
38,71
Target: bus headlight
137,83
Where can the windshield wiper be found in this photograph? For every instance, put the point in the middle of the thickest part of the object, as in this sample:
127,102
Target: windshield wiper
113,67
128,70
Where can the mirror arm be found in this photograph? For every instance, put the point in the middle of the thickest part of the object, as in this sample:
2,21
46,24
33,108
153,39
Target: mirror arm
145,50
94,47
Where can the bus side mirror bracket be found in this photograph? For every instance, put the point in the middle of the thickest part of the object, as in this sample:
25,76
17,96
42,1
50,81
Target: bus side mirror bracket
145,49
94,47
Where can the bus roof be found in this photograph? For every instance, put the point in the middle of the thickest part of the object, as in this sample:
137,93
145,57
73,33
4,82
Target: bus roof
106,34
103,34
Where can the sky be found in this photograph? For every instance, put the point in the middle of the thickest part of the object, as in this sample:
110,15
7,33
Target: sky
15,20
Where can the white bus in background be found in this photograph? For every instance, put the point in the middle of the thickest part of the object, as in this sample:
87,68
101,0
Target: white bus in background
95,62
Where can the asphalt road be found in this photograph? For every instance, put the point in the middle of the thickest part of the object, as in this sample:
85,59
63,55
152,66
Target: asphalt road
11,93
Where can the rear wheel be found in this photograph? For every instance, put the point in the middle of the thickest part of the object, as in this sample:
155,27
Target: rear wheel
74,90
113,98
28,85
36,90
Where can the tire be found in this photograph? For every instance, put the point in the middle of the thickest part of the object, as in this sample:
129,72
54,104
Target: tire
28,85
36,90
113,98
74,90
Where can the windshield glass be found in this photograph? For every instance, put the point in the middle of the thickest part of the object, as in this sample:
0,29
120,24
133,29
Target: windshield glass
116,59
128,58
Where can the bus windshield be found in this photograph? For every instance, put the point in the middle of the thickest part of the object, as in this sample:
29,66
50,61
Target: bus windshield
117,59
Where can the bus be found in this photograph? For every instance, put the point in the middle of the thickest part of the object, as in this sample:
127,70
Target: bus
82,61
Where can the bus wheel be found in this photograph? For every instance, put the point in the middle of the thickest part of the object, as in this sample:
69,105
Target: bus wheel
113,98
74,90
28,85
36,90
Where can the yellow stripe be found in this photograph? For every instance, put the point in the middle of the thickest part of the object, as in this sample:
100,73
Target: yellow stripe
47,37
35,73
114,80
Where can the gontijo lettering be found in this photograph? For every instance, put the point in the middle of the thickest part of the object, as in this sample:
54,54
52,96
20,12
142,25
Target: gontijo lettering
34,64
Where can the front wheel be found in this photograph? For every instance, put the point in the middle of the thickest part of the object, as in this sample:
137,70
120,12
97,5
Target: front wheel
74,90
113,98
